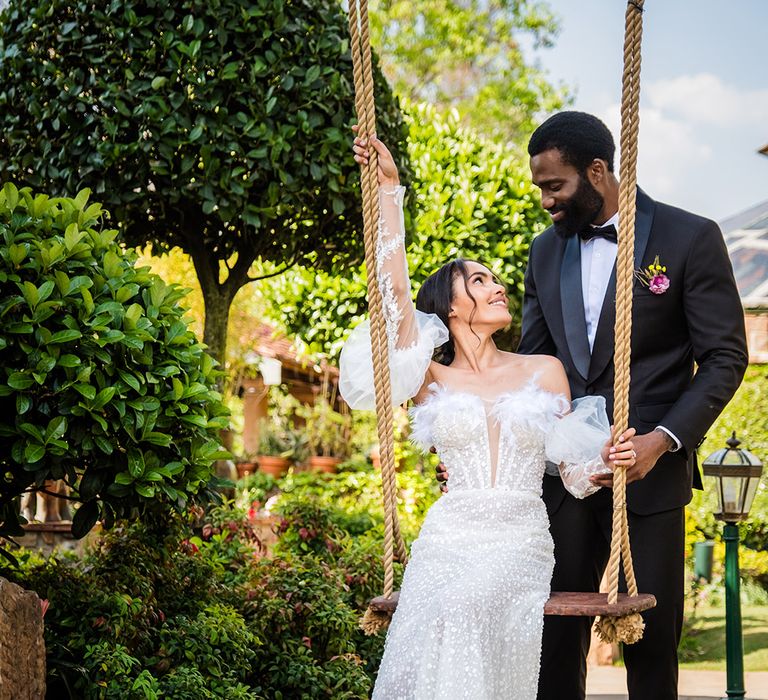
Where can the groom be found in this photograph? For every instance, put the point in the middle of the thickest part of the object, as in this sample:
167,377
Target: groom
688,357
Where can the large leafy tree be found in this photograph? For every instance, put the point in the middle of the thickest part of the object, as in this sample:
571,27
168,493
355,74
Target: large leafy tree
468,54
474,199
219,126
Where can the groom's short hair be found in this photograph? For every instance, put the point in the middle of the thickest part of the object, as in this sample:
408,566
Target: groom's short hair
580,138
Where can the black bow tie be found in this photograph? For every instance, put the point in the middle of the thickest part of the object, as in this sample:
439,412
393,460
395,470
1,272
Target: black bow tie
608,232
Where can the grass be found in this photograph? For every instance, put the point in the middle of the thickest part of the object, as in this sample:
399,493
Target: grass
703,645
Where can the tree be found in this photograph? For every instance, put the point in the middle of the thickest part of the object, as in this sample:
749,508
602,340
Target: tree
218,126
466,54
101,382
474,199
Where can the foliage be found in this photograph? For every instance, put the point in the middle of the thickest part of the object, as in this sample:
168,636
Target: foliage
474,199
102,384
193,608
747,415
101,626
468,55
217,638
278,435
354,499
219,126
327,431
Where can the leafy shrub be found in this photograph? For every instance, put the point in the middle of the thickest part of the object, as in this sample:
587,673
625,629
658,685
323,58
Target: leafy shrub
193,608
216,639
354,499
299,606
747,415
101,382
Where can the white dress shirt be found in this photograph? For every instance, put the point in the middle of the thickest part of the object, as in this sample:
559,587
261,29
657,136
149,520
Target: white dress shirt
598,256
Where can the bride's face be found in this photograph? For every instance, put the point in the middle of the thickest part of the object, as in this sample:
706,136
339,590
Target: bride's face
479,299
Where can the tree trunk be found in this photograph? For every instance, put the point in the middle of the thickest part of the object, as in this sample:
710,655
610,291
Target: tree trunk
217,294
217,303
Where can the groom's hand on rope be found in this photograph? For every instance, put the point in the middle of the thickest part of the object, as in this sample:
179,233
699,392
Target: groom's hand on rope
649,448
387,169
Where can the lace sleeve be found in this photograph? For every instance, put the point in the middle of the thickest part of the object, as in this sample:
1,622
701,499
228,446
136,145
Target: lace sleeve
392,270
412,336
575,442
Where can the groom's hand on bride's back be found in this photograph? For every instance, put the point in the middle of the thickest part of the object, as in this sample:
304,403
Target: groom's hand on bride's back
441,473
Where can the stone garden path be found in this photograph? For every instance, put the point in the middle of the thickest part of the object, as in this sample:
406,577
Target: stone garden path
609,683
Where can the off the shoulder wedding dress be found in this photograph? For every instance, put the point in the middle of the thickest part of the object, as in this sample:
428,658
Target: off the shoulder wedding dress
469,620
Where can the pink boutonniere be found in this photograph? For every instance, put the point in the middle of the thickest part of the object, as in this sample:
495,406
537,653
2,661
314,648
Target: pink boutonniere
654,277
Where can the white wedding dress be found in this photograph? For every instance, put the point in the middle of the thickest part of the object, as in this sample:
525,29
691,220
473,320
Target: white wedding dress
470,616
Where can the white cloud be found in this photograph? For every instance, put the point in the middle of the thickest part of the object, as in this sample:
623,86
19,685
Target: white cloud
667,151
704,98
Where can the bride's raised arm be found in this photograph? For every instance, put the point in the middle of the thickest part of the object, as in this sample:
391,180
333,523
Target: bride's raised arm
412,336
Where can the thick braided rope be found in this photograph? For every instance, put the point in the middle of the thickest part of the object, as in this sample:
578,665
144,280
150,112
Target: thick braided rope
630,102
364,104
388,471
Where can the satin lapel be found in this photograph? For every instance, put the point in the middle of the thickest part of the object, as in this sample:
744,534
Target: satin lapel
602,350
571,299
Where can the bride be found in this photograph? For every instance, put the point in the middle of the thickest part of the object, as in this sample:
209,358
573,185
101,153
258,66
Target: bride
470,615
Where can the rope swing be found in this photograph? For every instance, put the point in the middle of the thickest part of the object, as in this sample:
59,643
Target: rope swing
619,620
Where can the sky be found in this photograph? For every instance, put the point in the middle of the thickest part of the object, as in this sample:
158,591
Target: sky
704,93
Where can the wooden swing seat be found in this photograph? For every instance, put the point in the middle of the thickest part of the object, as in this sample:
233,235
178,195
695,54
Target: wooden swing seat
563,604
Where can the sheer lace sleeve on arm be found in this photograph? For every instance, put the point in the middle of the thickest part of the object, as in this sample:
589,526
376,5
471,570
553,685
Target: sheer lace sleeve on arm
412,335
575,442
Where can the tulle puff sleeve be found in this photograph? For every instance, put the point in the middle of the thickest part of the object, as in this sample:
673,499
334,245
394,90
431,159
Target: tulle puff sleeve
575,442
412,335
407,366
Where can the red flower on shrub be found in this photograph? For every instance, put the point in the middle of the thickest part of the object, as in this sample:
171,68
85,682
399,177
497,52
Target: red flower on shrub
44,603
304,533
307,642
189,547
207,531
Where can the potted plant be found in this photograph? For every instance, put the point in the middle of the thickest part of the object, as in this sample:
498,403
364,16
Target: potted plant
246,464
327,435
277,445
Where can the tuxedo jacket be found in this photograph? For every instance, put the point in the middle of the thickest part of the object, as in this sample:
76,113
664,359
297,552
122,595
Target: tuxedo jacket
688,350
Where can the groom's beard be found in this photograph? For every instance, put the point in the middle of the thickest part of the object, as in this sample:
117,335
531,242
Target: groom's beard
579,211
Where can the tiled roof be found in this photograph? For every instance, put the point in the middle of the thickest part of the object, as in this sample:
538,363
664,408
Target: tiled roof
746,235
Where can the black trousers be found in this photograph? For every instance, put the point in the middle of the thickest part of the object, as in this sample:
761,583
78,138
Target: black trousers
582,531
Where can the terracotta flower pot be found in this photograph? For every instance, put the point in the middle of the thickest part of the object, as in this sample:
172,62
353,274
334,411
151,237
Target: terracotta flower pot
274,466
245,468
318,463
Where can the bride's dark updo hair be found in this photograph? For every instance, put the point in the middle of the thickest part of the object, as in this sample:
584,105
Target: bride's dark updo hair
435,297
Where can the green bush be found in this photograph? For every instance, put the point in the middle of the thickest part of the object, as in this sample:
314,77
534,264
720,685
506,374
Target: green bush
102,384
300,607
193,607
747,415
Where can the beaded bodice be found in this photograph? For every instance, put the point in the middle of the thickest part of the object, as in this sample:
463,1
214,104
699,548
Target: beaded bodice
489,443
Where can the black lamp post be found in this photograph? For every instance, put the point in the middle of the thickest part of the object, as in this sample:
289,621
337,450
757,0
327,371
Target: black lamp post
737,473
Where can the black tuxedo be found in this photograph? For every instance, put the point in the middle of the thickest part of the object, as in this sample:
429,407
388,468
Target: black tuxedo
697,322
